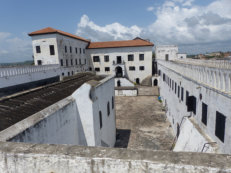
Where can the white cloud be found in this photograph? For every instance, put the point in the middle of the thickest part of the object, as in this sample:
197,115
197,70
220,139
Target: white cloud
150,8
114,31
177,22
14,49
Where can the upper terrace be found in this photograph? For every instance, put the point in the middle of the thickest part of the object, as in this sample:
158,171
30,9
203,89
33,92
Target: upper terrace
213,73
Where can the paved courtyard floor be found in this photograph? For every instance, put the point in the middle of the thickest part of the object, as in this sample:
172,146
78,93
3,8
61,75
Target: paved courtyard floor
141,124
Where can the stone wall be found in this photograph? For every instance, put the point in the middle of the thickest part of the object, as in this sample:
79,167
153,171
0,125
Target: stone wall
27,158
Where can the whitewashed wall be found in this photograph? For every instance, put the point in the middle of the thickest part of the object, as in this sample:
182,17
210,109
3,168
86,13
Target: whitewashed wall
162,50
127,92
217,100
123,82
73,120
124,52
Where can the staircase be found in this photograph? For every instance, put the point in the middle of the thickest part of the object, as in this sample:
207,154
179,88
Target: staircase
147,81
147,91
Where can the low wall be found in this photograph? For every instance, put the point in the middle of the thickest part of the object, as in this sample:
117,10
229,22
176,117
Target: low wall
123,82
126,91
42,158
192,139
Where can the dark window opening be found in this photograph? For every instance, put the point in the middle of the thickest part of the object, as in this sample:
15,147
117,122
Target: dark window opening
62,74
118,60
159,72
70,49
137,80
204,113
65,49
166,57
182,94
71,61
118,83
80,61
67,62
39,62
72,73
112,102
85,61
191,107
132,68
80,50
220,126
61,62
108,108
96,59
172,85
163,77
76,50
38,50
68,73
52,50
106,58
107,68
100,120
178,92
83,51
97,69
131,57
186,99
76,62
175,87
141,57
155,82
141,68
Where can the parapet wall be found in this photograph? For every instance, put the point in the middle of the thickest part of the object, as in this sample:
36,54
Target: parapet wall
42,158
214,74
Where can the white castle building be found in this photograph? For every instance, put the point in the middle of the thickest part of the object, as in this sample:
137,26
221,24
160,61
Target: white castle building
131,58
197,98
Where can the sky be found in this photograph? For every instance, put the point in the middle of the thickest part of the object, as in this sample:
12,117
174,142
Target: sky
196,26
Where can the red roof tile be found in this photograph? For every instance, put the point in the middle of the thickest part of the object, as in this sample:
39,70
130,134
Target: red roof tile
114,44
50,30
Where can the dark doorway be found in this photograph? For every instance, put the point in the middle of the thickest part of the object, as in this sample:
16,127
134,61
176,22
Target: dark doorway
39,62
166,57
122,138
118,59
119,72
137,80
178,130
118,83
155,83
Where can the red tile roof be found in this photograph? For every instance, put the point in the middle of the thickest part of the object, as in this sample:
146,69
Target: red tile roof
137,42
50,30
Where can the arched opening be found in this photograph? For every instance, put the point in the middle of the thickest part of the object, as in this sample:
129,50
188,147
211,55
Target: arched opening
119,71
118,83
155,82
137,80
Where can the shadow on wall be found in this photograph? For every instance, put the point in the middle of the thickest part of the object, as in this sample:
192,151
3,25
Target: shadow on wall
122,138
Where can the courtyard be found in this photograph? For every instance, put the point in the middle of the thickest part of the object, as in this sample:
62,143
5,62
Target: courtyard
141,124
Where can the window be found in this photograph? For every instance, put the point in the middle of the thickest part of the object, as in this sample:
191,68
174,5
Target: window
132,68
68,73
172,85
166,57
96,59
112,102
131,57
141,68
100,120
186,100
85,61
70,49
106,58
108,108
141,57
39,62
97,69
204,113
52,50
84,51
178,92
175,87
66,62
38,50
76,50
220,126
163,77
191,107
61,62
76,62
72,73
80,50
71,61
62,74
65,49
159,72
182,94
80,61
107,68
